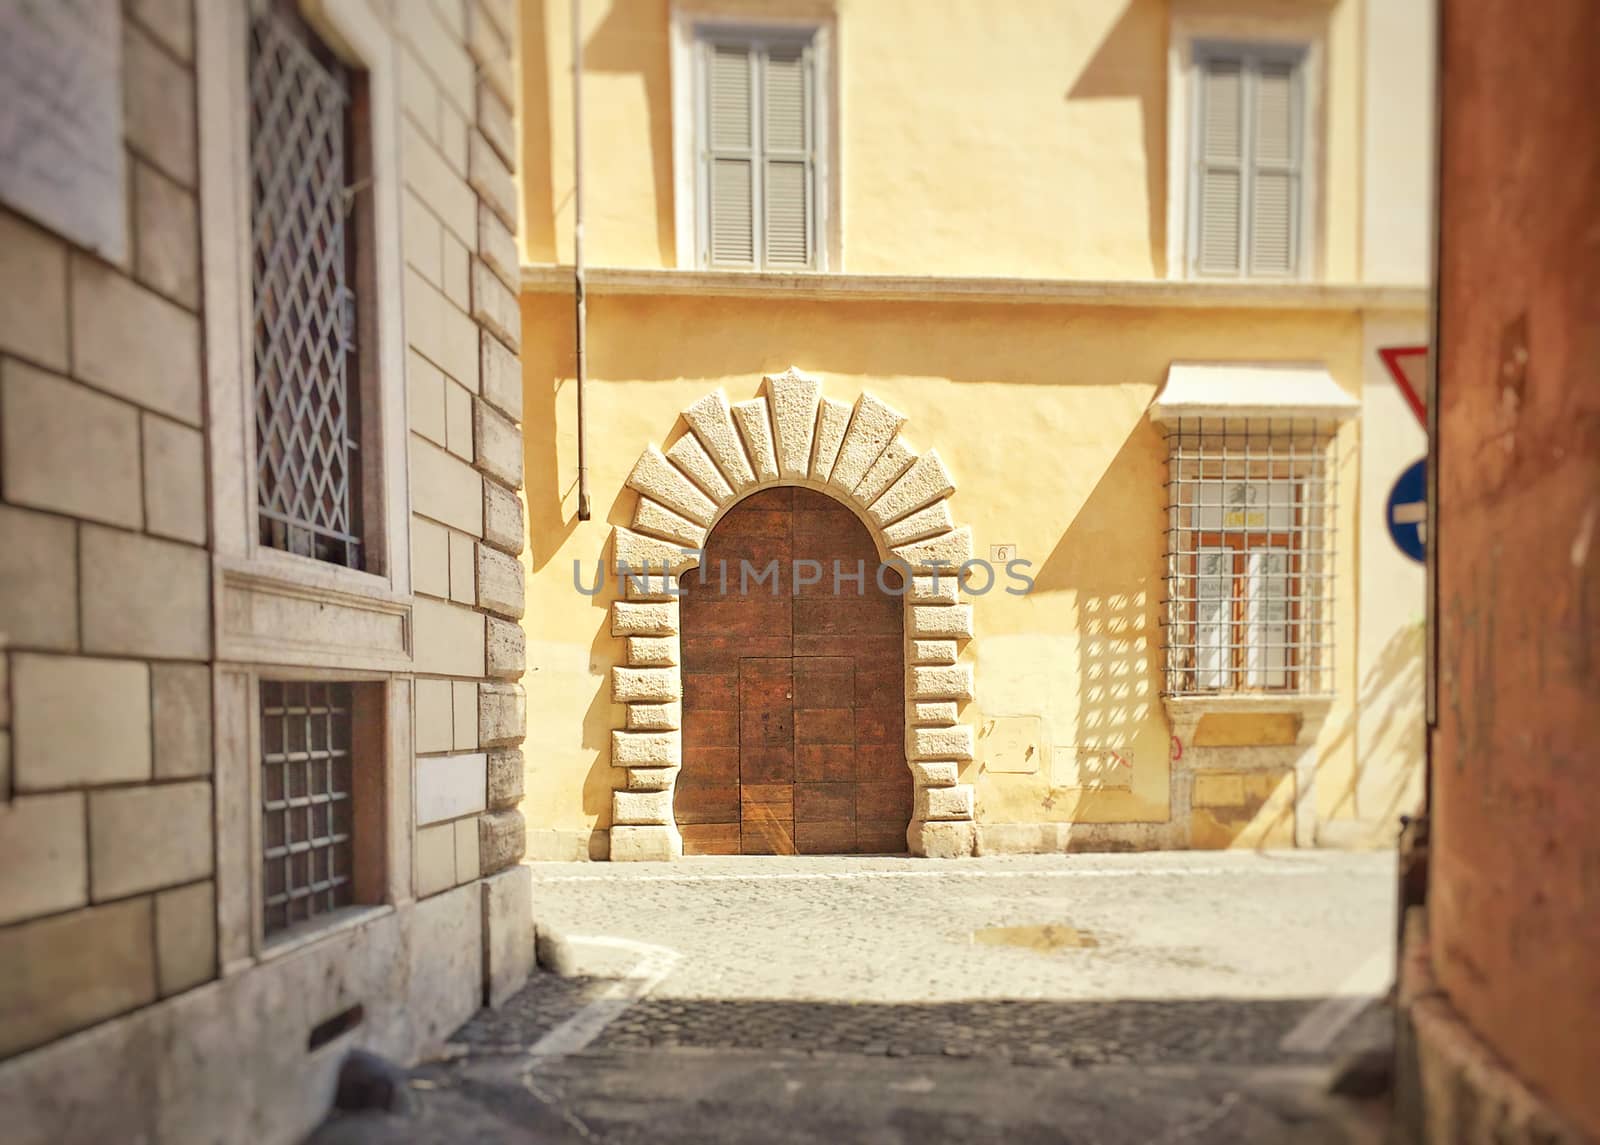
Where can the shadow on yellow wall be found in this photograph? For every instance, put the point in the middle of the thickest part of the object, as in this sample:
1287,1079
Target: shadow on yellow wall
1132,52
538,229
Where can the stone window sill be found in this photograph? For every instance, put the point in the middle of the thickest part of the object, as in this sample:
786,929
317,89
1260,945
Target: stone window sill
313,930
1306,704
1184,714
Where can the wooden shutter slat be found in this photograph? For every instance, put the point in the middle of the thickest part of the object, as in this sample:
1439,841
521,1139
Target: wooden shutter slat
788,212
1220,205
1274,115
1220,184
1272,224
785,99
1275,185
728,93
1222,94
732,212
787,130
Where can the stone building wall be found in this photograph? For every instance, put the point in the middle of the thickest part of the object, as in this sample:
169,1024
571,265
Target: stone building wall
137,993
108,894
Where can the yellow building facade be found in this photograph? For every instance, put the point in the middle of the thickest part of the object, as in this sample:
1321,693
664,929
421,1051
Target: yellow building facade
1036,283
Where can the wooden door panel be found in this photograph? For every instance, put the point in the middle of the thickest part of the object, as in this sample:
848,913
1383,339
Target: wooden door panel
714,764
882,762
825,838
710,838
733,618
766,818
864,649
710,691
842,615
824,763
722,654
883,800
881,838
706,801
712,728
824,682
766,763
824,725
824,802
793,734
879,726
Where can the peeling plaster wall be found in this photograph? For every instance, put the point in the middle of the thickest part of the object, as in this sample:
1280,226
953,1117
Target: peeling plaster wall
1514,856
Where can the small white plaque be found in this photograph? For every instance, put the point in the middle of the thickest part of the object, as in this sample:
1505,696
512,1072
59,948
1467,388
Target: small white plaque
61,157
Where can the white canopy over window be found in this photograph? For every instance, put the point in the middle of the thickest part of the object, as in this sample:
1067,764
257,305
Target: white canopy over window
1251,390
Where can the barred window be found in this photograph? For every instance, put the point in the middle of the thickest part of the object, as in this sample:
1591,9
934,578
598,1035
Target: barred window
322,792
305,161
307,801
1250,556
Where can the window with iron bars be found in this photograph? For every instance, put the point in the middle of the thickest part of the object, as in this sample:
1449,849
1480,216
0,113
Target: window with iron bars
307,801
306,156
1250,557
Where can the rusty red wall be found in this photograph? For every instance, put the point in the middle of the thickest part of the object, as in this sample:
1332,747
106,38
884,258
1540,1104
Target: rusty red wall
1514,901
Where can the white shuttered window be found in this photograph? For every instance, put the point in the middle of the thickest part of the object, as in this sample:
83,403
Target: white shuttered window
1248,155
756,139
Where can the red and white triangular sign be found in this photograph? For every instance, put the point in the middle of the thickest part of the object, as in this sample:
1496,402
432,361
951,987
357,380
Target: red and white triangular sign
1408,365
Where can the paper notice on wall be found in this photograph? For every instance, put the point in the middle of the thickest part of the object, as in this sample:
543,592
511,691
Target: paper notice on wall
61,156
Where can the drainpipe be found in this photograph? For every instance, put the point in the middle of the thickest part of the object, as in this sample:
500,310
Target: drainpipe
581,341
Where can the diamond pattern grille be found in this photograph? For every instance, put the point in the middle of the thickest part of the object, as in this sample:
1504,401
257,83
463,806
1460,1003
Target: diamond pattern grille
303,311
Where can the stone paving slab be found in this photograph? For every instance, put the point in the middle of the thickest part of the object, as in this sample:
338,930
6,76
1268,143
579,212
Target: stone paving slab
849,1000
1163,925
712,1097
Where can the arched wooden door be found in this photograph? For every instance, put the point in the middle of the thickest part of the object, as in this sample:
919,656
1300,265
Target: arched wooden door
793,699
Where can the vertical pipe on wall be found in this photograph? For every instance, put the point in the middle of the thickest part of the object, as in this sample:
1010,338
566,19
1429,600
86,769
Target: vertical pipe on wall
582,304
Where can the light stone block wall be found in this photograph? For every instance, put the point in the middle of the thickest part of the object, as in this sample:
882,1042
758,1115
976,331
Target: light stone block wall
128,871
465,441
107,862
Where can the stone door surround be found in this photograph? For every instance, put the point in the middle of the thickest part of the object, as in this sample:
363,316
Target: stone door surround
789,435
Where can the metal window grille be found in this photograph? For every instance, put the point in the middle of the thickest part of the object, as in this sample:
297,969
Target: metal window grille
304,308
306,801
1250,556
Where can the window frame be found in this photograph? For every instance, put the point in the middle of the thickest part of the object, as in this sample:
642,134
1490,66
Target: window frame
1241,545
361,492
276,615
692,24
246,571
380,732
1197,27
368,788
1249,55
1309,536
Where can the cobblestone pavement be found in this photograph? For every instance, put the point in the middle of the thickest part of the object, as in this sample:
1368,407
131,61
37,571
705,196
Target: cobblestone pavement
1085,998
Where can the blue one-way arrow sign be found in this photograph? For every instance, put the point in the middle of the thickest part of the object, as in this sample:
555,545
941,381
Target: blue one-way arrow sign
1407,511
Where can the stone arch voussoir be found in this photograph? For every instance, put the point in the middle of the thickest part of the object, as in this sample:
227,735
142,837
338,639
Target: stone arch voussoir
789,434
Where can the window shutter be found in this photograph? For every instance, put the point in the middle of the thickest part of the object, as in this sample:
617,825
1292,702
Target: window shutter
786,146
1220,174
1274,191
731,157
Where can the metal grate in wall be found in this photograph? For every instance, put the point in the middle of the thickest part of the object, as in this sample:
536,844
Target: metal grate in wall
1250,556
306,801
304,308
